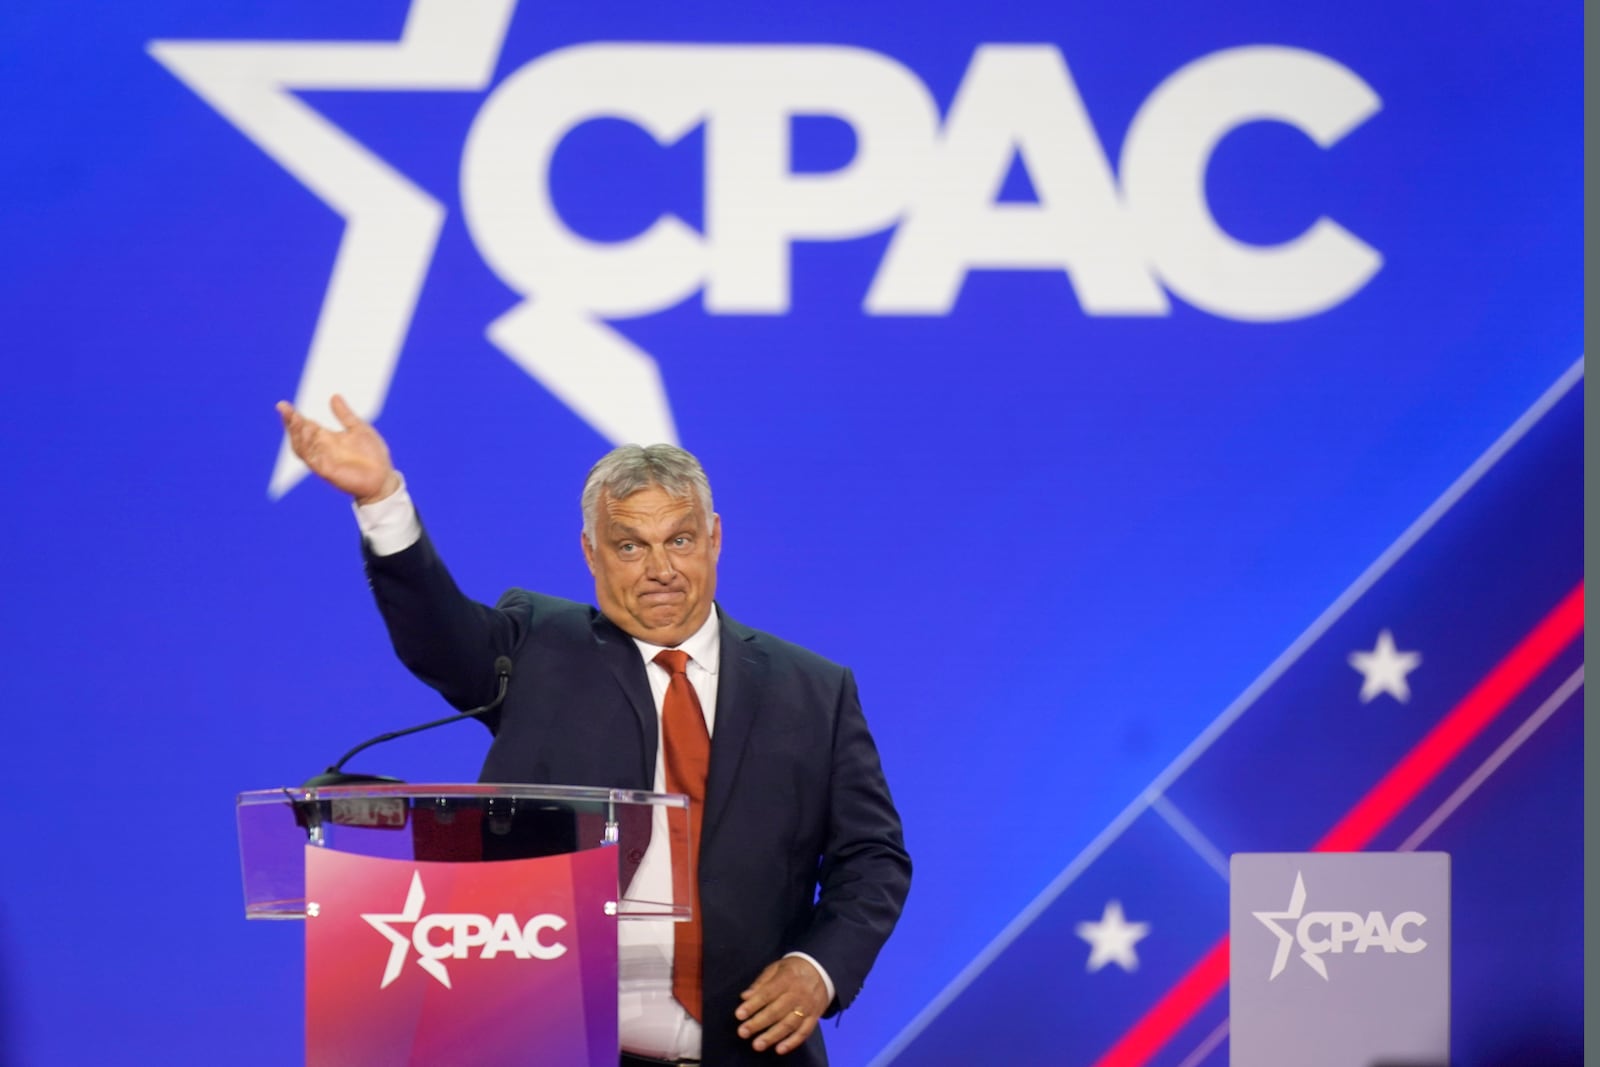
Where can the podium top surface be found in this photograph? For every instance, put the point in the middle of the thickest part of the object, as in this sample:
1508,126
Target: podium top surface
572,794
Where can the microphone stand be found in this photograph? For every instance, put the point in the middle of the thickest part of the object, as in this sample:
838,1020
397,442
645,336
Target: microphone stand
336,776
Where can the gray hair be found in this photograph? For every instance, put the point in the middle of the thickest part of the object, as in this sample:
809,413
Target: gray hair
630,468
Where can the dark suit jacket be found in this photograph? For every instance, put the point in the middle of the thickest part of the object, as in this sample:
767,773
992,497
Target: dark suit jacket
801,846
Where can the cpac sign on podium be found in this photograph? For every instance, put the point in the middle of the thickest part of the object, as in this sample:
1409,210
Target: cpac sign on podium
479,963
1339,959
458,923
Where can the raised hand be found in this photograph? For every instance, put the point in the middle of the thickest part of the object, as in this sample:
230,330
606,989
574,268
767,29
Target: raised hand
355,459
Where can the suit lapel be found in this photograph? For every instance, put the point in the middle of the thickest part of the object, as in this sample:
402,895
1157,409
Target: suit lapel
621,657
740,684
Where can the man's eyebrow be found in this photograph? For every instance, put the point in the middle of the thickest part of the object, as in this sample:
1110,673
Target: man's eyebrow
616,529
621,531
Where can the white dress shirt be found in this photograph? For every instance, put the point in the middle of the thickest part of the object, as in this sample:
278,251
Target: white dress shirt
650,1020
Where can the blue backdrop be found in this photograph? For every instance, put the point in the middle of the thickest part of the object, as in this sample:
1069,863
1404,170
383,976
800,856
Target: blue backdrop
1067,370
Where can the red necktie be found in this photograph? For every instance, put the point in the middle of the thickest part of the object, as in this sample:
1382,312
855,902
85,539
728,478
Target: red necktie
686,755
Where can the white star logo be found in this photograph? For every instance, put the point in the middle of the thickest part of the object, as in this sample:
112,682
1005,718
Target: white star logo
392,225
399,943
1111,940
1269,919
1384,669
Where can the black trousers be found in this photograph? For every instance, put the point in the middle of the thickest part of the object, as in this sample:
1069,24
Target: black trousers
630,1060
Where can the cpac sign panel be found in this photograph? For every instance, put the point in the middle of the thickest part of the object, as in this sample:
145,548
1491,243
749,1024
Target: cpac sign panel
1374,989
1125,237
417,962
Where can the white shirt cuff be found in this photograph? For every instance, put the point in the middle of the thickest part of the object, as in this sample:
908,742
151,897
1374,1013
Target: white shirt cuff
389,525
826,980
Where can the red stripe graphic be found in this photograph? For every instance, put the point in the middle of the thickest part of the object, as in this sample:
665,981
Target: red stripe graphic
1183,1000
1370,814
1446,740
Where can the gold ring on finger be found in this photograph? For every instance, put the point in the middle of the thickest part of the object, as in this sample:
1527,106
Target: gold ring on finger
799,1011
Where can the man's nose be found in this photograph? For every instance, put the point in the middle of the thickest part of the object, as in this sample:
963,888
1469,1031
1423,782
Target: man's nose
658,564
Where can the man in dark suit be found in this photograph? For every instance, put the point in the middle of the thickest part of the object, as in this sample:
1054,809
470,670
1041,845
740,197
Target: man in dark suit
802,870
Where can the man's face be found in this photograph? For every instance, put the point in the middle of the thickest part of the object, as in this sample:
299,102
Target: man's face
654,561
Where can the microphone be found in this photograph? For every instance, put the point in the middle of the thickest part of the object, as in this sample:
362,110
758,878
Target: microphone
334,776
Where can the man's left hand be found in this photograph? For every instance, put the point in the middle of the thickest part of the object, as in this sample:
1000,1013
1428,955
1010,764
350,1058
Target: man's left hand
782,1005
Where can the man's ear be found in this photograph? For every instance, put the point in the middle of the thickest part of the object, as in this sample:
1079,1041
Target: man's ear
588,551
716,536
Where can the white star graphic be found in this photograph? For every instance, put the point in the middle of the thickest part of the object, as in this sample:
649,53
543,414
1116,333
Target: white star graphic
399,943
1269,919
392,225
1111,940
1384,669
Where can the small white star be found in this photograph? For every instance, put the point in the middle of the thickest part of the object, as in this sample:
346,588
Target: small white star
1111,940
1384,669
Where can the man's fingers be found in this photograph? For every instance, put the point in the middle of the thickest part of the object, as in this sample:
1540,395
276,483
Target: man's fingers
303,432
782,1021
788,1029
756,997
770,1015
343,412
304,435
296,425
765,1007
797,1036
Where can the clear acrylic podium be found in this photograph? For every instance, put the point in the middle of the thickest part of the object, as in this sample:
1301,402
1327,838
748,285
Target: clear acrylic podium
449,823
460,923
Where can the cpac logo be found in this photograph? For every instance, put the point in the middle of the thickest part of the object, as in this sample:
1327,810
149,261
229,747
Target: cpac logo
939,182
1124,239
447,936
1320,932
